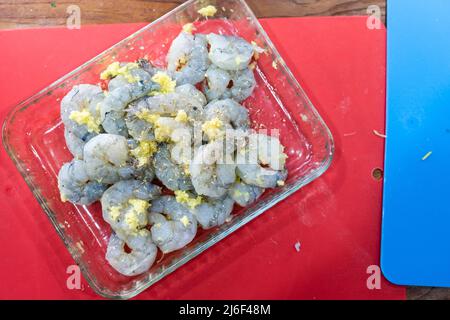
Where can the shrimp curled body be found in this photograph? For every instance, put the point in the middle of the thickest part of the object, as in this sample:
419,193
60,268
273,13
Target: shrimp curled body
174,226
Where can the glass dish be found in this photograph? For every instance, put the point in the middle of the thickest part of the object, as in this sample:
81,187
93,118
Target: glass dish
33,137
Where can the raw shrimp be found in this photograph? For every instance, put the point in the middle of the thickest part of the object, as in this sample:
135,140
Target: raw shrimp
169,104
172,175
123,89
138,128
176,231
229,52
80,112
138,261
214,213
140,165
147,66
191,91
229,112
76,144
187,59
106,157
221,84
243,84
213,169
76,187
262,150
244,194
125,205
216,83
186,98
173,129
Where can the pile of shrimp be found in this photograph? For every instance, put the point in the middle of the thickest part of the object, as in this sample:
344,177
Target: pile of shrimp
167,151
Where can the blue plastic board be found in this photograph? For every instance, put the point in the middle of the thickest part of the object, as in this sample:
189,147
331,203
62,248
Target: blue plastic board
416,210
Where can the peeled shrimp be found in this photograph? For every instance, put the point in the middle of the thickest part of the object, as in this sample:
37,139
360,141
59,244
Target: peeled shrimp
191,91
222,84
262,150
229,52
137,127
229,112
216,83
187,59
172,175
122,91
76,187
79,111
243,84
176,231
212,169
186,98
170,104
125,205
138,261
139,165
244,194
76,144
213,213
106,158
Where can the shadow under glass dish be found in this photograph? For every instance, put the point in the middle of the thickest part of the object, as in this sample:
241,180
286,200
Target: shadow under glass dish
33,136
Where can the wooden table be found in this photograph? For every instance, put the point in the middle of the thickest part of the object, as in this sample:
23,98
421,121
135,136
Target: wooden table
35,13
39,13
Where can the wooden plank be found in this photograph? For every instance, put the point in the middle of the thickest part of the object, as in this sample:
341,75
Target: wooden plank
38,13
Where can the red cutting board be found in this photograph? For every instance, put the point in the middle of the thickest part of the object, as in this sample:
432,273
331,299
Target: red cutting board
336,219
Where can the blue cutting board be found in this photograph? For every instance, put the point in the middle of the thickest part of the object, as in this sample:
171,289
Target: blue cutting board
416,211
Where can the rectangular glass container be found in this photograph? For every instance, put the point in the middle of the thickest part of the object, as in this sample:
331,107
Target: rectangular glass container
33,136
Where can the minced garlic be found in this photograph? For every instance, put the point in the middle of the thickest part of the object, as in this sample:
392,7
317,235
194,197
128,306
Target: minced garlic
138,210
189,28
183,197
182,116
114,70
185,221
209,11
147,116
213,128
114,212
84,117
167,85
144,151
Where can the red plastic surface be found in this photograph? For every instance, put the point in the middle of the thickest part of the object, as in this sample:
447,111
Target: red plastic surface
336,219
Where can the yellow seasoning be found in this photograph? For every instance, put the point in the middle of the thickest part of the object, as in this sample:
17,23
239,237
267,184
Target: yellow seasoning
114,69
425,157
133,217
275,65
183,197
147,116
213,128
182,116
167,85
144,151
114,212
84,117
189,28
185,221
209,11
